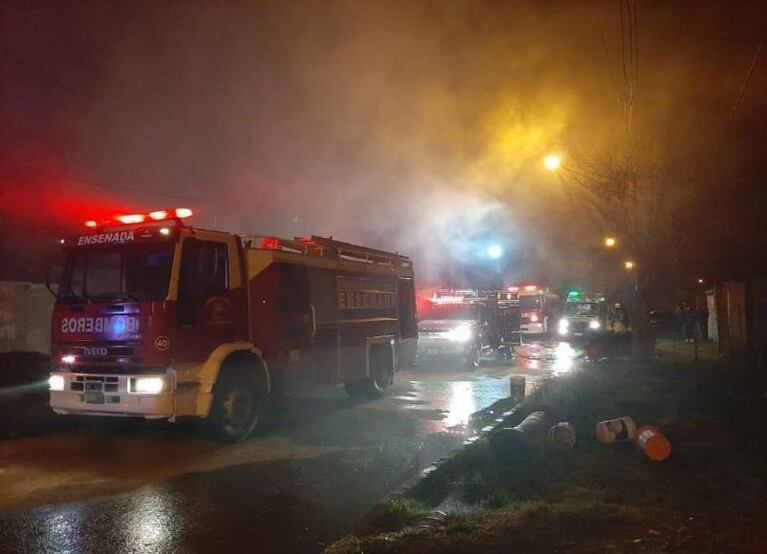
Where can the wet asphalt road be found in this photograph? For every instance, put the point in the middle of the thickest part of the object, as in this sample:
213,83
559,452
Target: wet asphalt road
316,468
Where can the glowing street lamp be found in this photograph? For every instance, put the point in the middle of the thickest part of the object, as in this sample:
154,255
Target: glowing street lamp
610,242
629,265
552,162
700,280
494,251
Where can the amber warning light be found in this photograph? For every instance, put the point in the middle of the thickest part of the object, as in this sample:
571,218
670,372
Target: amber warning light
158,215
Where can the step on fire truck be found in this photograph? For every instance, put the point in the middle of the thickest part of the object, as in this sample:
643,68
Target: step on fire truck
466,324
156,319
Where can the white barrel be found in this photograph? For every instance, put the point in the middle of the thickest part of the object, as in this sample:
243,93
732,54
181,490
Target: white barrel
619,429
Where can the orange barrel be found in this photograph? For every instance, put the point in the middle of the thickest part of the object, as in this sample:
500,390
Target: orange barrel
517,387
653,443
619,429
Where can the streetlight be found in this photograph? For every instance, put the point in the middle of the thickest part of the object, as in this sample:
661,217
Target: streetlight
494,251
610,242
629,265
552,162
700,280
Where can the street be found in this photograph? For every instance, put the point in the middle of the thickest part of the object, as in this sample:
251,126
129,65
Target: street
317,466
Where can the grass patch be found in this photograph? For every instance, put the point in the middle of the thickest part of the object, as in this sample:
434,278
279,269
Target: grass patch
395,514
709,496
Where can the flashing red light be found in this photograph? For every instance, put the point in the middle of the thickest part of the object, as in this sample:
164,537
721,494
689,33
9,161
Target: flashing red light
159,215
513,289
270,243
530,287
132,218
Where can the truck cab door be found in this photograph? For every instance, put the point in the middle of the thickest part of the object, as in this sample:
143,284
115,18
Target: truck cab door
207,307
490,329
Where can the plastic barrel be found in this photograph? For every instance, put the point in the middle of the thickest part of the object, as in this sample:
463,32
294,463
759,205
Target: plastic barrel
653,443
517,387
619,429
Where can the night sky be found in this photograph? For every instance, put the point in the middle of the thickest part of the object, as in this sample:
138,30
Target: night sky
408,125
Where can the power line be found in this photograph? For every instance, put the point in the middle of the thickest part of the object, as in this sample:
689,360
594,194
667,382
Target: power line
744,86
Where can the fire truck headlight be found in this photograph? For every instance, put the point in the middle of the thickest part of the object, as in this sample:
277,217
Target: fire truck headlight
563,326
147,385
594,324
459,334
534,318
56,383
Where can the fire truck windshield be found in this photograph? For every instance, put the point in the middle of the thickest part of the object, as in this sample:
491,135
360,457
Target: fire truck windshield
449,311
582,308
134,272
529,302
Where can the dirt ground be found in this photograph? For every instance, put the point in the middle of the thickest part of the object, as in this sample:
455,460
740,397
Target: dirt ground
709,496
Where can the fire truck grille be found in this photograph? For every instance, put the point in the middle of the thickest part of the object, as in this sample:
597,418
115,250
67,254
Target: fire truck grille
95,383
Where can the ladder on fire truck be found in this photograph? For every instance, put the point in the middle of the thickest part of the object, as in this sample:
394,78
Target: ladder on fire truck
329,248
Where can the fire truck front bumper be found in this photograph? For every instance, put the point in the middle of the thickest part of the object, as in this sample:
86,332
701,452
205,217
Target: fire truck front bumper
435,348
151,396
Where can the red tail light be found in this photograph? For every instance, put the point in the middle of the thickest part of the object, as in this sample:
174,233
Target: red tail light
91,223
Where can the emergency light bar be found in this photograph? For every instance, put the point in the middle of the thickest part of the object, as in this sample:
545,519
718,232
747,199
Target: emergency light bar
158,215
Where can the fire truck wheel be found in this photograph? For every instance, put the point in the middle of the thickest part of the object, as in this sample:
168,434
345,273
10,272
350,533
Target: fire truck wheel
236,407
380,376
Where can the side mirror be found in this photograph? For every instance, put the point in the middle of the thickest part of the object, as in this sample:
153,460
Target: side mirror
53,288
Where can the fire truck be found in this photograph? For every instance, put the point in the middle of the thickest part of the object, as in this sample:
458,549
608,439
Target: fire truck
160,320
466,324
585,316
540,308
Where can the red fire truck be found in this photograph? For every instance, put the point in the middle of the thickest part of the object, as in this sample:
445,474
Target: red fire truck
156,319
540,308
466,324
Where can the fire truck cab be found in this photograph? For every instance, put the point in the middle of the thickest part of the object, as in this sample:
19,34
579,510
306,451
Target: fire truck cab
155,319
584,316
464,325
540,308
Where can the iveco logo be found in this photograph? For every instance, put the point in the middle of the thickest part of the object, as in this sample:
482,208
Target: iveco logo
92,351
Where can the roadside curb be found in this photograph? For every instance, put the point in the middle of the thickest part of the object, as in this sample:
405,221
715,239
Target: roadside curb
439,471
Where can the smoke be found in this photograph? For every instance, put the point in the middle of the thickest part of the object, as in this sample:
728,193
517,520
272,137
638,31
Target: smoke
411,126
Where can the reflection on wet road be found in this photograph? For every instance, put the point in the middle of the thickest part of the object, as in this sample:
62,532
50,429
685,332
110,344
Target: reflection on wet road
319,465
555,359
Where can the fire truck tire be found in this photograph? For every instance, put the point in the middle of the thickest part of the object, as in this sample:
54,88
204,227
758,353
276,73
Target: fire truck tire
381,372
237,405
